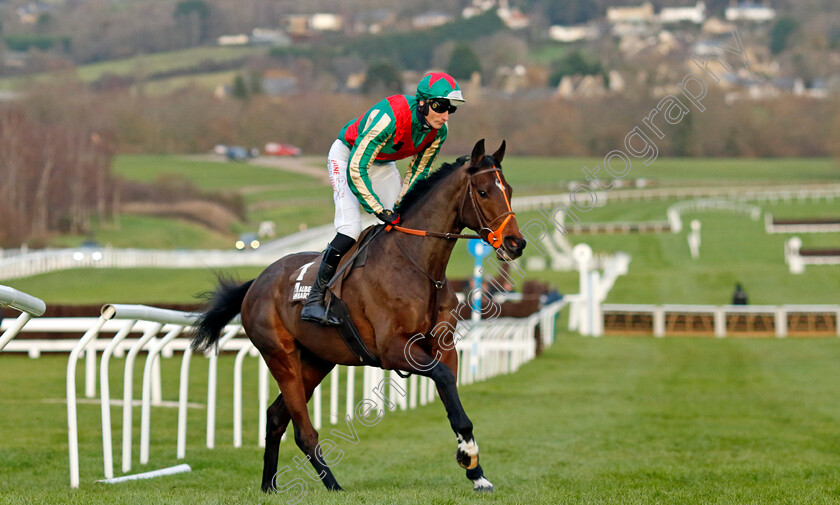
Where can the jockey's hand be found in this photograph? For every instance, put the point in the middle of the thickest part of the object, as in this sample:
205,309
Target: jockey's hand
388,217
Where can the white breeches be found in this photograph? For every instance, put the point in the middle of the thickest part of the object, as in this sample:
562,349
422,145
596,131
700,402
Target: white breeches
384,177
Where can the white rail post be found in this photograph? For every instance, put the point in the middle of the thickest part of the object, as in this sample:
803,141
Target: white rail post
105,398
27,305
212,378
237,394
263,403
150,368
334,388
128,393
72,422
351,385
183,393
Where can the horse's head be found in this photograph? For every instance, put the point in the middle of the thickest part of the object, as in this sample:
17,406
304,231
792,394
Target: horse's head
486,205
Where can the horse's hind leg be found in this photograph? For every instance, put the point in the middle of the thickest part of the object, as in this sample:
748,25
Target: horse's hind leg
297,375
277,419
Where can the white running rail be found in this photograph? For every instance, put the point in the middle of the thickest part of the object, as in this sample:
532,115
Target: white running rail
488,348
27,305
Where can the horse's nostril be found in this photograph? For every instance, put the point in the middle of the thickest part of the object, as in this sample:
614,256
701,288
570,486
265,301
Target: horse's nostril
515,244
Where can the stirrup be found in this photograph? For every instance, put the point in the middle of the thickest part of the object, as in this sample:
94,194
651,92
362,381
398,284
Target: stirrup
321,314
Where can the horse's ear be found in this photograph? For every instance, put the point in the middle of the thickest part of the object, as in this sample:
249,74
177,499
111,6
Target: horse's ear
477,153
499,155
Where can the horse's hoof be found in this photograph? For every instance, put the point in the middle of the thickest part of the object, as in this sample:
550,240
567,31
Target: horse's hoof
482,485
467,453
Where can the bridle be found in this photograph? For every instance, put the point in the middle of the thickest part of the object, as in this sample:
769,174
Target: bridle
494,237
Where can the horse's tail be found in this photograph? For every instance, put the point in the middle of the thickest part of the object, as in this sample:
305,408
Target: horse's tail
224,304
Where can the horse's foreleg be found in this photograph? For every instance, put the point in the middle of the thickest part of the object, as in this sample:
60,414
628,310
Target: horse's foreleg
414,359
466,442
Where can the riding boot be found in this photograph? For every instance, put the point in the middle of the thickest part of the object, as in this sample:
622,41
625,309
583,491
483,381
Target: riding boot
314,310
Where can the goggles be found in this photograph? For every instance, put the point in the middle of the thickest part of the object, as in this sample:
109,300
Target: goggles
441,105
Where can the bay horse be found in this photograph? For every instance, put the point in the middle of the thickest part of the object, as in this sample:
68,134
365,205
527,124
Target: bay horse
399,295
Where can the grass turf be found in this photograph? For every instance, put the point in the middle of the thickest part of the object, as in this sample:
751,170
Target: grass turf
596,421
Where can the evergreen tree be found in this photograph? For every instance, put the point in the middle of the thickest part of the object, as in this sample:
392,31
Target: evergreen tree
463,62
382,79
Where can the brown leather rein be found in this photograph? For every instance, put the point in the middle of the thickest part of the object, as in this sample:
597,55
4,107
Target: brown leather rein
494,237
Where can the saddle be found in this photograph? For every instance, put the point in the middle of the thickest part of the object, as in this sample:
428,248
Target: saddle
304,277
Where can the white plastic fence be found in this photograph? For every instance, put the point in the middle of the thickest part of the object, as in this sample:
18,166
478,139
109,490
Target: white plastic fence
721,313
797,262
27,305
488,348
23,262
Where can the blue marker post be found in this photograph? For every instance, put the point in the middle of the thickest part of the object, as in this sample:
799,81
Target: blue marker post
479,250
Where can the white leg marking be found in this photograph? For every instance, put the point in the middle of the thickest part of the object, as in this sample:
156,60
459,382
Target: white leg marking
469,448
482,484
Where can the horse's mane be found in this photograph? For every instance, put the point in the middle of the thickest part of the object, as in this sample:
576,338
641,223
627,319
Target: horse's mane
424,187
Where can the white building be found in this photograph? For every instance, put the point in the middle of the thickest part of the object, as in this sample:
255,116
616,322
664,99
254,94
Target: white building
324,22
749,11
696,14
573,33
640,14
430,20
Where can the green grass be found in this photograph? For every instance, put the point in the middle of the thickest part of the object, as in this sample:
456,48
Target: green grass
144,65
291,200
207,175
527,173
210,81
734,249
593,421
123,285
144,232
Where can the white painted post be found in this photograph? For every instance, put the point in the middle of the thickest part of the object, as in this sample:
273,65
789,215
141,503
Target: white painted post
780,321
412,391
795,262
334,378
72,426
351,385
128,386
105,397
659,321
150,369
694,239
583,254
597,296
28,306
90,372
720,322
212,378
263,403
316,407
183,391
11,332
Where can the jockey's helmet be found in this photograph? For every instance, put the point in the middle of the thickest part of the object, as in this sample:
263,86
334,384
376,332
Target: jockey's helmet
439,85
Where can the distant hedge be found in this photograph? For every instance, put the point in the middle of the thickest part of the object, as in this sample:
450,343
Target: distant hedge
26,41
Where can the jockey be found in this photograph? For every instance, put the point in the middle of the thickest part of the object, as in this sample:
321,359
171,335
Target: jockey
362,169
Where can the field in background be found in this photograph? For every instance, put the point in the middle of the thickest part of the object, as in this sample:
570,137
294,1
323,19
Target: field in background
596,421
734,247
141,67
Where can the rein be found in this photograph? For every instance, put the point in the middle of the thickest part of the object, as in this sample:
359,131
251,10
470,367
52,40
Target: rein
494,237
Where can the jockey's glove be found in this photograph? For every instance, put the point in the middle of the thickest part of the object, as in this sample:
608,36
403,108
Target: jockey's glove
388,217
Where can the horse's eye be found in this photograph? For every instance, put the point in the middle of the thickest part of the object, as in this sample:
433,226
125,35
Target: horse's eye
482,193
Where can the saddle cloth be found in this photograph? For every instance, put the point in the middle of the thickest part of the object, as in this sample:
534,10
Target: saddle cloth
304,277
